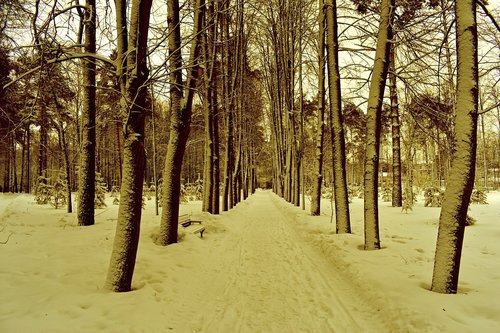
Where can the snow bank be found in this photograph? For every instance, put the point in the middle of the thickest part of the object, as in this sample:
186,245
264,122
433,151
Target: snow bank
246,273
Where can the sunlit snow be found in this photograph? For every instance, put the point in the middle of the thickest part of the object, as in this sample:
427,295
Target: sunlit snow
265,266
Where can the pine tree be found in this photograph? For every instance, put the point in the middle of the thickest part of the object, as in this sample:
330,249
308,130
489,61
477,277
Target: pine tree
100,191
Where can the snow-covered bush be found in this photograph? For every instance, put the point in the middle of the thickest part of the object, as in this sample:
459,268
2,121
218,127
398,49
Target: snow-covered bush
192,191
100,191
147,191
50,194
160,191
58,194
183,199
469,220
409,199
43,191
355,191
386,194
152,190
326,192
115,194
433,196
479,197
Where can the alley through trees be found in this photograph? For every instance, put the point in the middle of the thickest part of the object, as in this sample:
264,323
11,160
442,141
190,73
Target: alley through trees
265,278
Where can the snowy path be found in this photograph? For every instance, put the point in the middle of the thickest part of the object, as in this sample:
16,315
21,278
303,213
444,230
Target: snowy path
264,266
265,278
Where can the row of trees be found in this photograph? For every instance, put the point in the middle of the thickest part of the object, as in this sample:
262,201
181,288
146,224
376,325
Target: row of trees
440,115
116,95
254,87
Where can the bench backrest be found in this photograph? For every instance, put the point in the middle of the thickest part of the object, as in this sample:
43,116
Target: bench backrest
184,218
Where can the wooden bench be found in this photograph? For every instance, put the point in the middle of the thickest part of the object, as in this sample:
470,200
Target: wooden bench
185,221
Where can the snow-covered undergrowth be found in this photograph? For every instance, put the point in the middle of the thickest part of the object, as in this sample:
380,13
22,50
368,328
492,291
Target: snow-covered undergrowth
265,266
398,277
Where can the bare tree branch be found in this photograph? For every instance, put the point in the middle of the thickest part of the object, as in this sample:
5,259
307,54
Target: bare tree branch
482,4
69,56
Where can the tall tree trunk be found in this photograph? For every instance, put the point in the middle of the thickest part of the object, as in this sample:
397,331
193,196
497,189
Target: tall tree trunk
119,150
397,193
208,161
228,105
318,165
13,171
23,163
461,179
216,154
299,172
213,33
449,96
27,189
6,170
210,25
180,117
155,173
42,151
485,154
86,171
339,165
122,263
373,125
67,164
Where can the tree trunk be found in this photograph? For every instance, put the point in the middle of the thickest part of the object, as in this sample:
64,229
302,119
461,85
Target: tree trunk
208,162
318,165
227,97
122,263
86,171
42,151
210,25
299,192
373,125
337,126
216,154
485,159
461,179
23,162
119,150
180,118
6,157
67,173
155,173
28,159
397,193
14,188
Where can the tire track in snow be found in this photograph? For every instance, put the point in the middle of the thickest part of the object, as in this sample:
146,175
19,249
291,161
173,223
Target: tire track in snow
264,278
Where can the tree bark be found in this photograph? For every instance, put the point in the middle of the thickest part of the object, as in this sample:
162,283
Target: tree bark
67,165
42,151
180,117
228,90
461,179
122,263
216,153
28,159
337,126
318,165
86,171
397,193
210,102
373,125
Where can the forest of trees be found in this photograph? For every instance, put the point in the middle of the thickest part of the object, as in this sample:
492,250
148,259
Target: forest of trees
311,99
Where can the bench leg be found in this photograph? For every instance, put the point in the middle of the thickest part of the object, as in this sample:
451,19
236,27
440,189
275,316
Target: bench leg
201,233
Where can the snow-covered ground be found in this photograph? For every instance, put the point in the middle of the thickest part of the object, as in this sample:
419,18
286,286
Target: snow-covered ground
265,266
